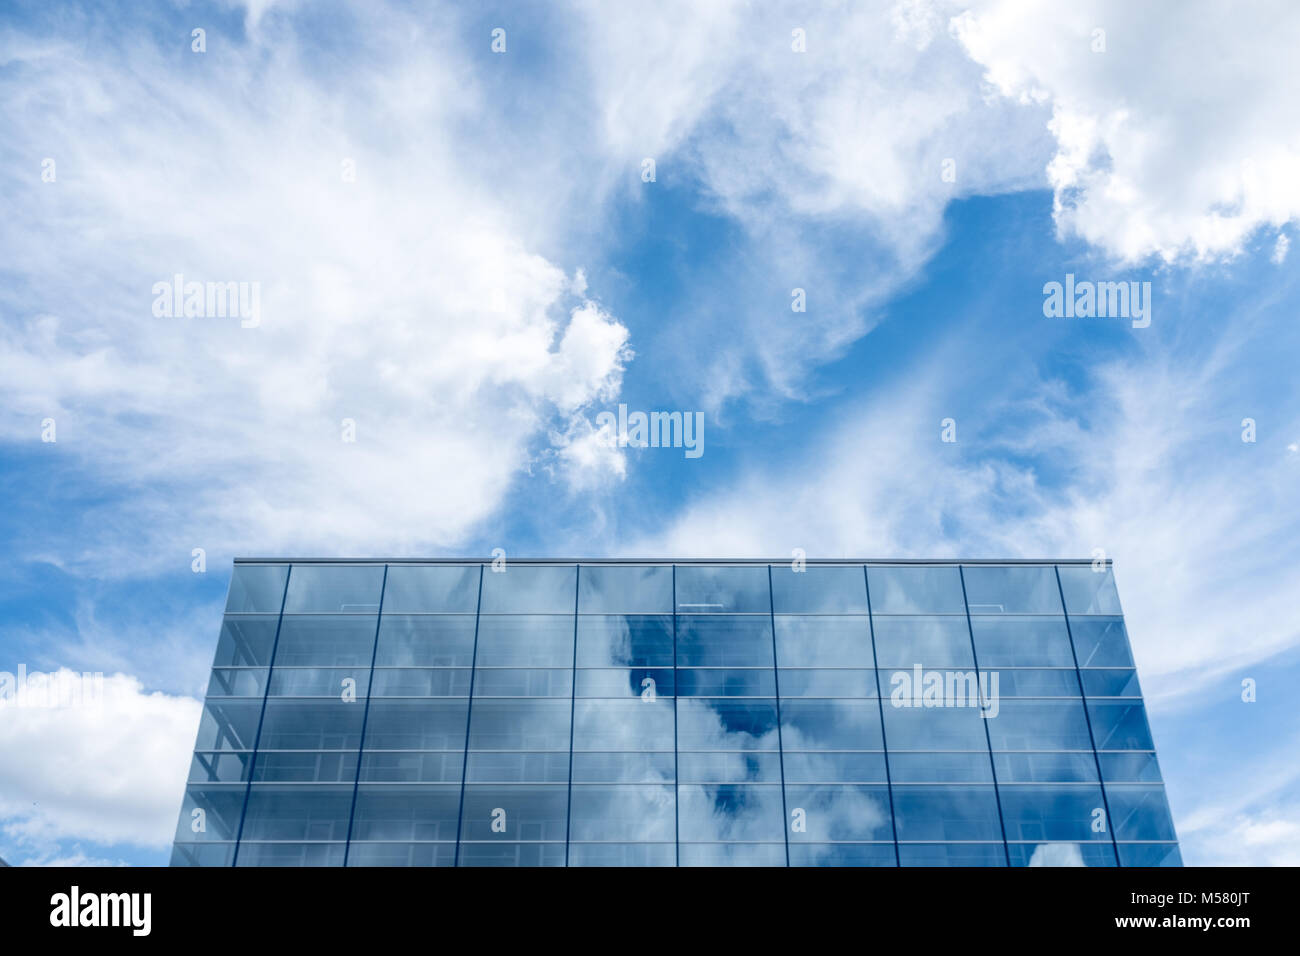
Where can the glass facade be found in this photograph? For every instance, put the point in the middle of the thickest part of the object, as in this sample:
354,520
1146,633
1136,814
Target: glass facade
658,714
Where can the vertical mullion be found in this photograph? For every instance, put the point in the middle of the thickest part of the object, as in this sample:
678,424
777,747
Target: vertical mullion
573,696
365,715
988,738
884,739
469,709
266,690
1083,700
776,676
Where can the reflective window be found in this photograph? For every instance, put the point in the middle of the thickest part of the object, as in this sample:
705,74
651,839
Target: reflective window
726,724
321,640
406,812
818,590
1139,812
337,589
414,588
828,813
525,641
915,589
1062,854
1120,725
1022,642
1039,725
951,854
823,641
946,813
624,589
724,641
1024,589
625,641
1065,812
1101,642
721,590
1088,591
928,641
530,589
246,642
257,587
425,641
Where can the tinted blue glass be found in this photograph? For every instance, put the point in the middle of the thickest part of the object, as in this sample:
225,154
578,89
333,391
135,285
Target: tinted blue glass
842,854
741,812
709,590
952,854
1139,812
625,589
722,682
1111,683
830,767
306,767
1062,854
221,806
830,725
625,641
287,812
724,641
1039,725
726,724
413,588
530,589
623,767
291,854
623,725
1011,682
241,682
424,812
934,728
1129,767
1022,642
732,854
246,642
915,590
257,587
739,767
520,682
827,683
518,811
203,854
1149,854
638,682
401,854
425,641
1120,725
823,641
337,589
819,590
220,768
228,725
1066,812
417,724
1088,591
1045,767
1028,589
518,768
532,724
946,813
420,682
623,812
1101,642
411,767
622,854
525,641
512,854
312,725
838,812
928,641
320,682
940,767
326,641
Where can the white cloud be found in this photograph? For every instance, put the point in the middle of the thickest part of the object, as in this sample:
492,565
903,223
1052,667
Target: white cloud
1180,140
109,770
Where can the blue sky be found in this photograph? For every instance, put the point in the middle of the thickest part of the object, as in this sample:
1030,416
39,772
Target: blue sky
498,273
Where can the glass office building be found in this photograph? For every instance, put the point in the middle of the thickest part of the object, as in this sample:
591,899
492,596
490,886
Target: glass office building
692,713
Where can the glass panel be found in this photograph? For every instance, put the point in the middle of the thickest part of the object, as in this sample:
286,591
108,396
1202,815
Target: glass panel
721,682
823,642
518,682
220,768
831,813
622,854
623,768
518,768
246,642
1039,725
291,854
1062,854
312,725
827,683
420,682
1033,683
530,589
203,854
623,812
940,767
842,854
623,725
1111,683
401,854
724,641
533,724
934,728
412,588
229,725
1088,591
412,767
1139,812
512,854
1045,767
324,641
730,812
237,683
625,589
642,682
929,641
1129,768
338,589
429,641
1030,589
418,724
278,812
320,682
620,641
1037,812
834,768
1120,725
952,854
1101,642
525,641
514,812
729,767
830,724
1022,642
720,590
726,724
819,590
323,767
947,813
257,587
406,813
220,808
1150,854
915,590
731,854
